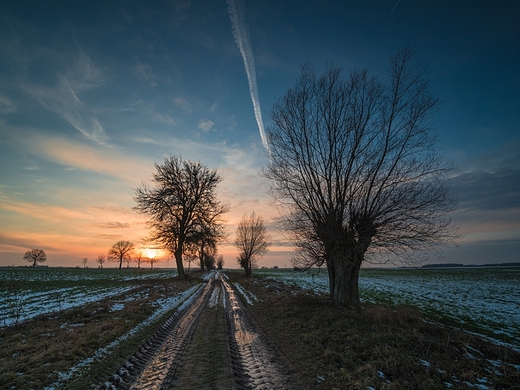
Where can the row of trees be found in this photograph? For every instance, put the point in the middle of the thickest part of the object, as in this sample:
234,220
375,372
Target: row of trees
186,218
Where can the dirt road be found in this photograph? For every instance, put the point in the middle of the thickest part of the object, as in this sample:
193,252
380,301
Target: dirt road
211,342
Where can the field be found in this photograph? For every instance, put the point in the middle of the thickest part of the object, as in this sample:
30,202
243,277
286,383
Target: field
481,300
71,328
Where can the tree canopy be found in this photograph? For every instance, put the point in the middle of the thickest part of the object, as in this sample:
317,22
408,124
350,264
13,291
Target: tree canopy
181,205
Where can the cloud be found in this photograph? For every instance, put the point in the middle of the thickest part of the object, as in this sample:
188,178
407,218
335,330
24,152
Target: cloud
166,119
63,98
109,236
206,125
78,155
113,225
6,105
481,190
145,72
183,104
32,166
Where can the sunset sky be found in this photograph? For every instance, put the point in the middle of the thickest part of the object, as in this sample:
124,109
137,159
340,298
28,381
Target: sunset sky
93,93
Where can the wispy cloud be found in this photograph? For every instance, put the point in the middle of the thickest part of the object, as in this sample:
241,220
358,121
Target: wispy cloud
6,105
73,154
145,72
241,34
206,125
114,225
63,96
183,104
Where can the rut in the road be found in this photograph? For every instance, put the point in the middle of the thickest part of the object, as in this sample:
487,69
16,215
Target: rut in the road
229,351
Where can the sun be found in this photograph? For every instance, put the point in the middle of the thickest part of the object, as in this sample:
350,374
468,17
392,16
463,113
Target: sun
151,253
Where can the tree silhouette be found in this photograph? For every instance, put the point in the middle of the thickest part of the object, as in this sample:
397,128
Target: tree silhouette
35,256
121,251
181,203
251,240
354,165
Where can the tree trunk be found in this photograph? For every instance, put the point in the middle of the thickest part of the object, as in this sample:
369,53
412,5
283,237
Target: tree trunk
178,261
344,279
248,271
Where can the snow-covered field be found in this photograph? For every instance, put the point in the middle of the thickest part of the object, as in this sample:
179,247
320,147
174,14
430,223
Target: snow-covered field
485,300
26,292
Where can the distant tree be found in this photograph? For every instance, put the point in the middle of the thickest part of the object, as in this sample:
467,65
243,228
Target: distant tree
220,262
354,164
209,261
35,256
152,261
208,233
84,261
182,201
190,258
138,259
252,241
101,260
121,251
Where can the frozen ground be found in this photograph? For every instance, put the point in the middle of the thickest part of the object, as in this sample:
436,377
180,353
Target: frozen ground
483,299
26,293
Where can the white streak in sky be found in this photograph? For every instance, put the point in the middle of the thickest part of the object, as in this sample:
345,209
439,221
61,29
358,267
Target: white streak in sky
241,34
394,7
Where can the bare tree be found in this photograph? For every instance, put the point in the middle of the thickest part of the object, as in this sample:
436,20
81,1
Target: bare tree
353,162
182,200
101,260
208,232
220,262
121,251
190,258
152,261
210,260
252,241
138,259
84,261
35,256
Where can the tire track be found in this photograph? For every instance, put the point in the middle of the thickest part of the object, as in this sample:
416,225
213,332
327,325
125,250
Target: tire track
153,365
254,360
257,363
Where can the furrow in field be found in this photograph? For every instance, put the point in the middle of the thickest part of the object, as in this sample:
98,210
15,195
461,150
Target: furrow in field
257,362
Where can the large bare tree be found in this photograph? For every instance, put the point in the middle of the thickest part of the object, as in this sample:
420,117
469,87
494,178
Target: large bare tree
353,162
181,202
120,251
252,241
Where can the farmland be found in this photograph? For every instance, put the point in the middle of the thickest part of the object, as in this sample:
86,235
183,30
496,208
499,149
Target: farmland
483,300
76,327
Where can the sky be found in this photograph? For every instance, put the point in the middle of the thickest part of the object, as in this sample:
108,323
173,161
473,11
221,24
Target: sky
92,94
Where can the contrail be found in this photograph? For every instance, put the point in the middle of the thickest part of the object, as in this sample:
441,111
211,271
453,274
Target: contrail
394,7
241,34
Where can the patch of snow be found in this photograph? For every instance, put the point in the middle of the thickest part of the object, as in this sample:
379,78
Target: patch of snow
479,386
425,363
249,296
117,307
180,300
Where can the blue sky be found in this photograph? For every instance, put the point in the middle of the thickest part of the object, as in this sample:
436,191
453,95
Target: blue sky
92,94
